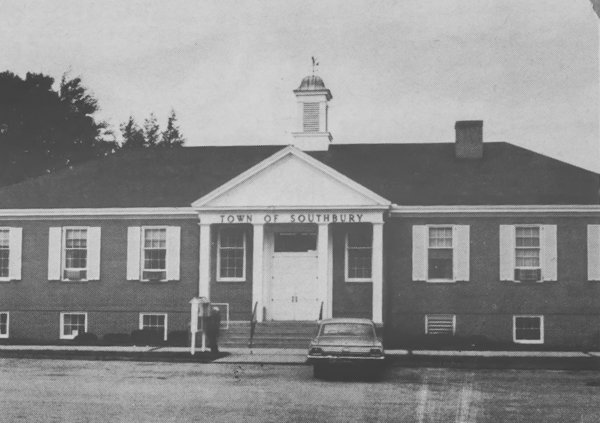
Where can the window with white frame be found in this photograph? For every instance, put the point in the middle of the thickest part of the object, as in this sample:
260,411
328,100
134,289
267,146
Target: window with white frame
154,322
3,325
527,253
359,255
4,253
72,324
75,253
528,329
440,324
154,254
440,253
231,253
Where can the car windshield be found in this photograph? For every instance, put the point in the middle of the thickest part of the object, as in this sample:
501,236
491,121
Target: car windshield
347,329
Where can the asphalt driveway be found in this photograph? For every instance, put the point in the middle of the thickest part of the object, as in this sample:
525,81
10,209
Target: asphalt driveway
117,391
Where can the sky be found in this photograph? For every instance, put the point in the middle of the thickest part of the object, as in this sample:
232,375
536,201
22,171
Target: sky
400,71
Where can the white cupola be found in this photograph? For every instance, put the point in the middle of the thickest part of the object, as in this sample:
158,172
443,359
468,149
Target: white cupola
313,134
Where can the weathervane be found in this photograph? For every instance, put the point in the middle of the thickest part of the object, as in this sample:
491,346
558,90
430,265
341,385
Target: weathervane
314,64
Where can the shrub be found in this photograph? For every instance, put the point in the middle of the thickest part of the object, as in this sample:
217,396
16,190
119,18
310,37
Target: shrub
86,338
178,338
116,339
146,337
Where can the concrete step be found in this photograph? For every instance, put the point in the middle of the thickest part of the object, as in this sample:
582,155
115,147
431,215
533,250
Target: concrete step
269,334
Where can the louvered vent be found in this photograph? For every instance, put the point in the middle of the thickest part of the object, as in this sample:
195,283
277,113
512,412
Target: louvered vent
440,324
310,122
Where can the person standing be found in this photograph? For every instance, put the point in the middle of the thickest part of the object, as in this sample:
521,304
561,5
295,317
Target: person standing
213,325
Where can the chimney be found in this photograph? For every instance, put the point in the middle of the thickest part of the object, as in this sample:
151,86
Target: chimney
469,139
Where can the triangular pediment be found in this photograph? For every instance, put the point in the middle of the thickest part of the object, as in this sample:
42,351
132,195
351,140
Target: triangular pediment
288,179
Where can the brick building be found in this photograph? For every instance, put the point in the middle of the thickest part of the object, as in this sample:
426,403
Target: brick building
465,238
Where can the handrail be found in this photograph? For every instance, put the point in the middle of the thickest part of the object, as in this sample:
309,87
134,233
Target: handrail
253,324
321,312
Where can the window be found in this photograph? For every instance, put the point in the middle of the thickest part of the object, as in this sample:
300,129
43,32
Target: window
528,329
359,255
155,322
232,254
75,254
440,253
4,253
295,242
527,253
72,324
3,325
440,324
154,254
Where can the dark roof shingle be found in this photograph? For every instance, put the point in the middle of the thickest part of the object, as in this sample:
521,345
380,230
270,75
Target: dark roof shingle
406,174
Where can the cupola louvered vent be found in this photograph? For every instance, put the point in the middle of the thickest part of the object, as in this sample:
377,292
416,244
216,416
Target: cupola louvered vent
310,123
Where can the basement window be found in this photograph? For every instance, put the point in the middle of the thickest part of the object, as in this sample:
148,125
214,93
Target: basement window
72,324
154,322
4,325
528,329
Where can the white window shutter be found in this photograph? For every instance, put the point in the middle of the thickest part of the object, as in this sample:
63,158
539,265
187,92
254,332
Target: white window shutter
173,252
134,237
94,237
461,252
549,253
593,251
507,252
54,253
419,253
15,253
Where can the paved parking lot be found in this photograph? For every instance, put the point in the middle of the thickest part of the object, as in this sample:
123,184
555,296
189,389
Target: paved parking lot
88,391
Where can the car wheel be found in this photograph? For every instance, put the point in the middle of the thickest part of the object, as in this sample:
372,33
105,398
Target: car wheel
318,371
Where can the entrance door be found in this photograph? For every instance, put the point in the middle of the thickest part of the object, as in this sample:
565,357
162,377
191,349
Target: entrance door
294,285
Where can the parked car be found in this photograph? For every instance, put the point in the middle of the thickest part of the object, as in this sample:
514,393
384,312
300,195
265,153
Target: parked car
345,341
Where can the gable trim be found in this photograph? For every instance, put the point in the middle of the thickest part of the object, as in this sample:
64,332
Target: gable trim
290,150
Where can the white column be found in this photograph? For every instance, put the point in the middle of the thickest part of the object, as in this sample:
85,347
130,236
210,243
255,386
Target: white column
329,302
204,266
323,266
377,272
257,270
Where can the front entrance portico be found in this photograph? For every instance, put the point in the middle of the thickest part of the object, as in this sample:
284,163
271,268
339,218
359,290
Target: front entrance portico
292,202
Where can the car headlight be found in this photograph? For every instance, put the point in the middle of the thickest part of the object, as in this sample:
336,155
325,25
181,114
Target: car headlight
316,351
376,351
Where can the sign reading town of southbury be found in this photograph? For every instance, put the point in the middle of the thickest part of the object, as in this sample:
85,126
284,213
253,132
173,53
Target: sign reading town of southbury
291,217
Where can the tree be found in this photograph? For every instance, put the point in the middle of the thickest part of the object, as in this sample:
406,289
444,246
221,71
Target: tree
43,129
151,131
171,137
133,137
150,135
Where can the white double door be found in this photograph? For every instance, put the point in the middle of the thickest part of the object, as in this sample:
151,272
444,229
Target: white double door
294,286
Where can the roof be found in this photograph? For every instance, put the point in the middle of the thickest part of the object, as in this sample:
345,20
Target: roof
405,174
311,83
